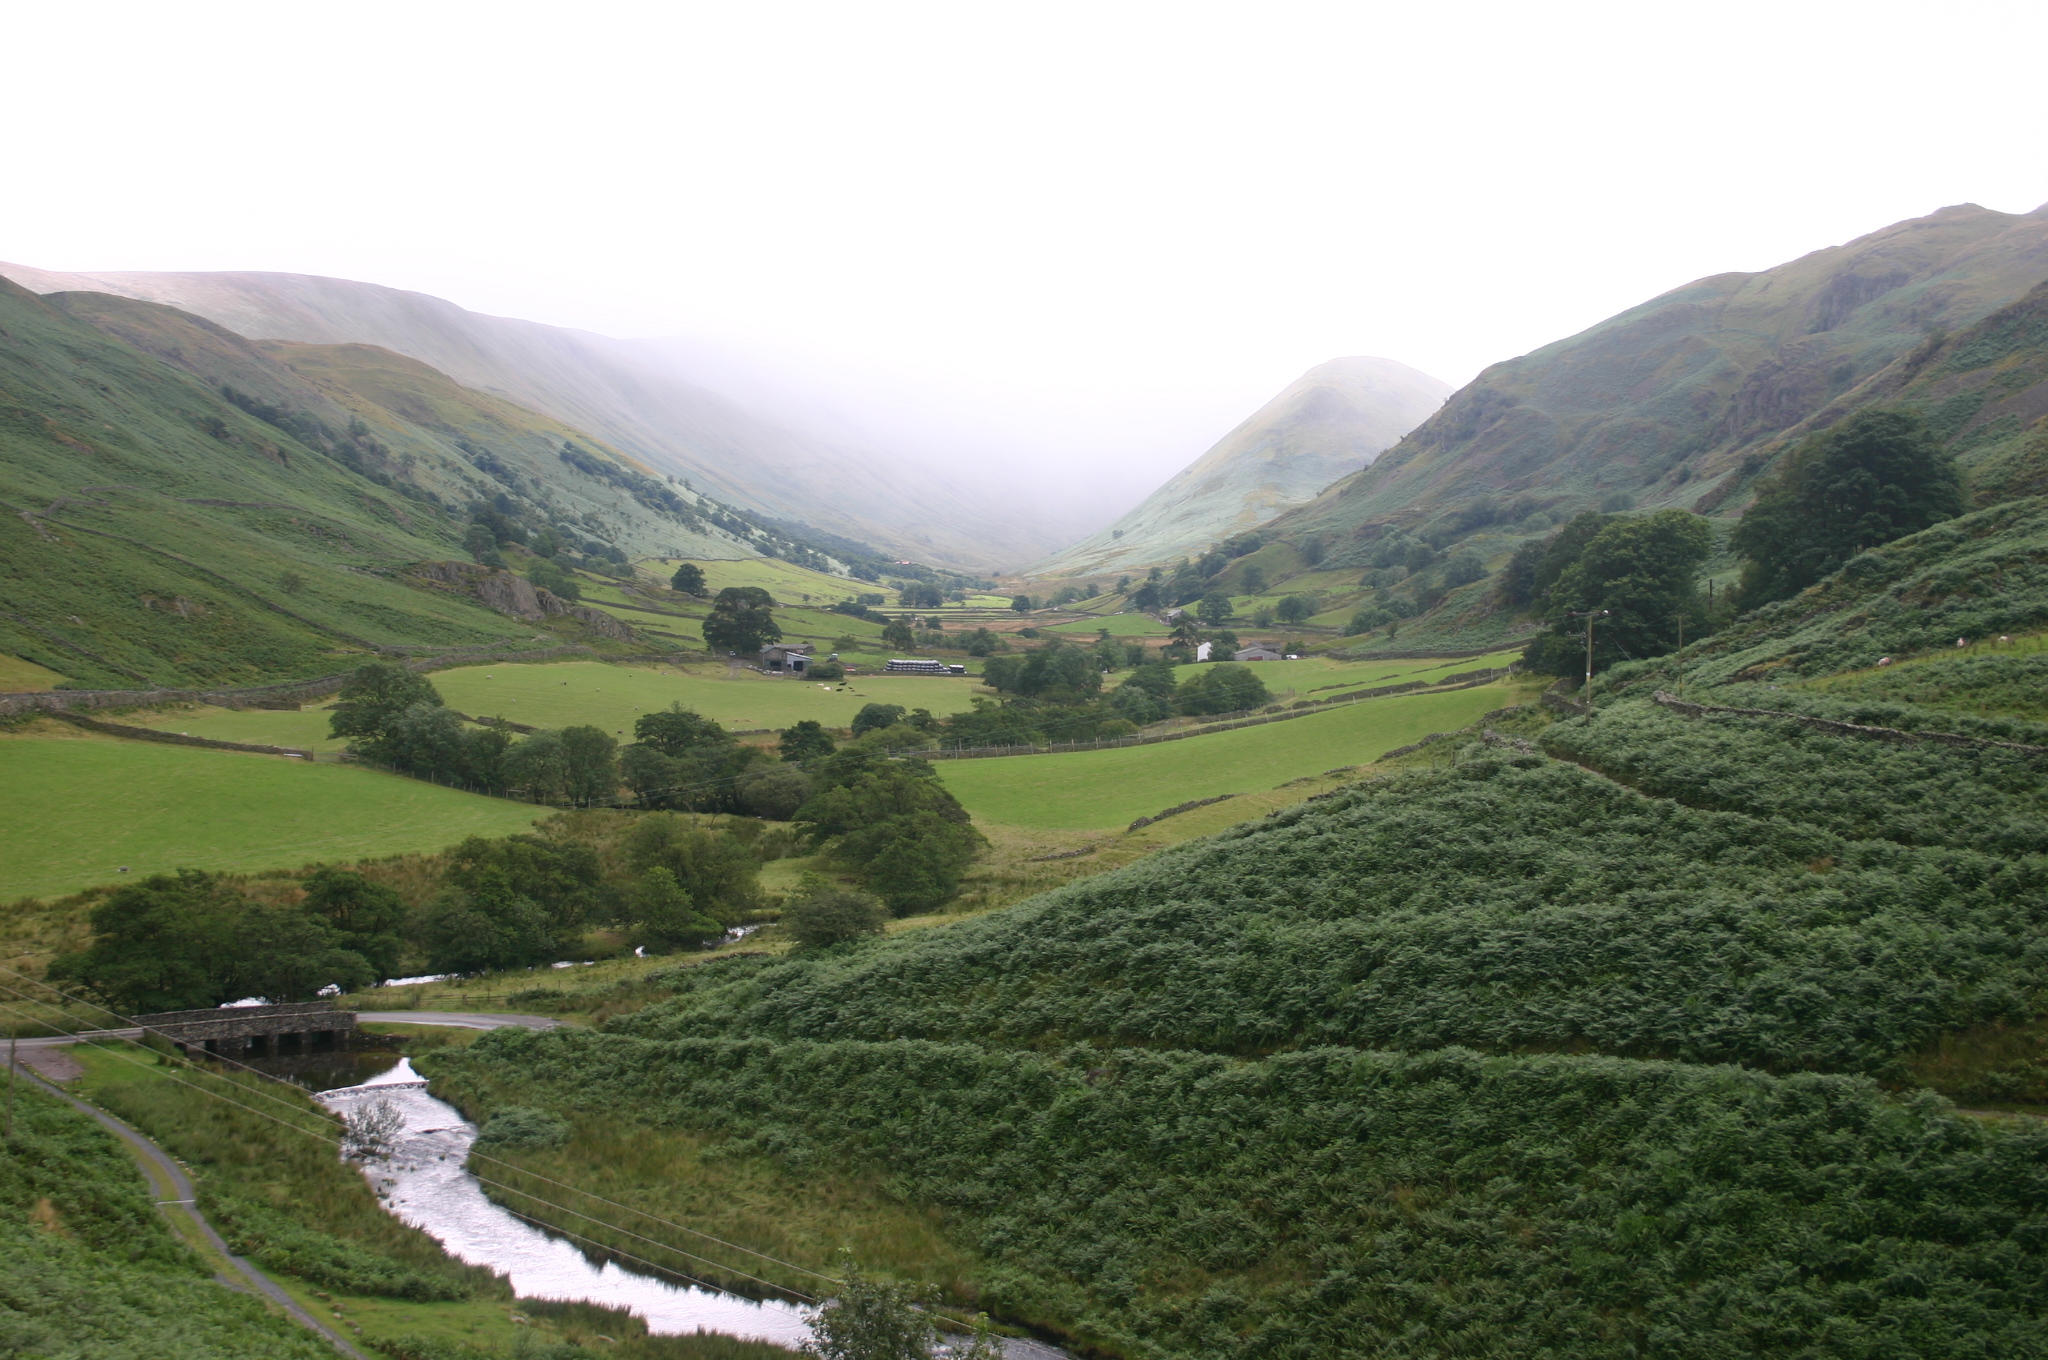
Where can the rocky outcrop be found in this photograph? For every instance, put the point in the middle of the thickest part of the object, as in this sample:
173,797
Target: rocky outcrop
596,622
514,595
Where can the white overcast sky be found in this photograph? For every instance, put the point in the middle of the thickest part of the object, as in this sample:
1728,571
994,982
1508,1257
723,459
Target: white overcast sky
1062,243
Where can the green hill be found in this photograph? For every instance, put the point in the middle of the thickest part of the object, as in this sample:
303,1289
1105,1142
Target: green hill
1685,401
1663,404
1329,422
1598,1037
157,534
635,396
192,508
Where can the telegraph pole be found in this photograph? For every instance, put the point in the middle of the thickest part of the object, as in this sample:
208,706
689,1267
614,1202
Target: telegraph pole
11,1038
1680,657
1589,616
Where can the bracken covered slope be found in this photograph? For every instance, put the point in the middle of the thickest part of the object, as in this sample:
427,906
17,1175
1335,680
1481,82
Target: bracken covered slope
1601,1041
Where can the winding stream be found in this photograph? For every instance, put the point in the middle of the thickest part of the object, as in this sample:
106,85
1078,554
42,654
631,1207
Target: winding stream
425,1183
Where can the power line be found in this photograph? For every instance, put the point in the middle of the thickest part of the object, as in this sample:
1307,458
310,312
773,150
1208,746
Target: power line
83,1036
338,1144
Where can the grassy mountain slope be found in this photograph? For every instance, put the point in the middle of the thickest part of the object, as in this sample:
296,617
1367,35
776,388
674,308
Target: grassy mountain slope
1661,403
1687,401
1598,1044
1328,422
460,444
158,534
612,390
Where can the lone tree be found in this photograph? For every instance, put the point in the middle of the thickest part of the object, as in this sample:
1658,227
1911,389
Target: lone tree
689,579
740,620
1215,608
1021,603
1296,608
1877,476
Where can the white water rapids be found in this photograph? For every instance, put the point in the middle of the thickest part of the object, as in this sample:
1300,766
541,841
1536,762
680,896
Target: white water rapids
425,1183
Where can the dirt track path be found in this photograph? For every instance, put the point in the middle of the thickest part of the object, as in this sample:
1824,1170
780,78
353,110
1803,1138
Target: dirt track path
177,1199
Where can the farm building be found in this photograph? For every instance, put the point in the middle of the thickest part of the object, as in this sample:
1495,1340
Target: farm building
1256,653
788,658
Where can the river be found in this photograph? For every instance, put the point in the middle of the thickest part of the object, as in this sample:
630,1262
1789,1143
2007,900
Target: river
426,1183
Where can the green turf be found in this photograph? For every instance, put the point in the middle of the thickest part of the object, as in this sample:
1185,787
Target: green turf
74,811
786,581
1119,625
305,730
1311,673
1088,790
17,675
612,696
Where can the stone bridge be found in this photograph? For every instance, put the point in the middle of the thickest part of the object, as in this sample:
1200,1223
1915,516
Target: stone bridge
259,1031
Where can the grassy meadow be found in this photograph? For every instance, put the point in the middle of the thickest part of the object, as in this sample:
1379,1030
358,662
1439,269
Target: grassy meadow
19,676
1312,674
611,697
1089,790
786,581
74,811
305,730
1119,625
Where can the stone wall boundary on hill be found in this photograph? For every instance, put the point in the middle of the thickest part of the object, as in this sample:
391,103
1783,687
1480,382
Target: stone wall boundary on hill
174,738
1843,729
1117,743
64,700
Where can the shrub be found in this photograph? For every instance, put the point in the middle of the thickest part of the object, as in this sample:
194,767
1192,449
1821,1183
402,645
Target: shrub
825,916
517,1127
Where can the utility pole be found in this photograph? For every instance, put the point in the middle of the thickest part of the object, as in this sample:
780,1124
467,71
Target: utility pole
11,1038
1589,616
1680,658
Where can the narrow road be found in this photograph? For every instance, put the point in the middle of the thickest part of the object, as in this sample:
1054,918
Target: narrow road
175,1196
460,1019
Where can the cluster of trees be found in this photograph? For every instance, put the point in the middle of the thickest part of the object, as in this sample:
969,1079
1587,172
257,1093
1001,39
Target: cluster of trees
892,823
500,523
1637,577
1877,476
395,717
191,939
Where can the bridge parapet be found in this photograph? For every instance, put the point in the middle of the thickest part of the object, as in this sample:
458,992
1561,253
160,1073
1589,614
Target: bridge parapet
232,1028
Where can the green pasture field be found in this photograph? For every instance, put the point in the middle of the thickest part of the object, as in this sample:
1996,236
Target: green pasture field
611,697
305,730
786,581
1313,672
1100,790
74,811
18,676
1119,625
820,625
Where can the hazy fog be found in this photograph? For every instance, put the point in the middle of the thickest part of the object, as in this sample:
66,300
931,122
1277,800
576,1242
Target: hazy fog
1058,248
